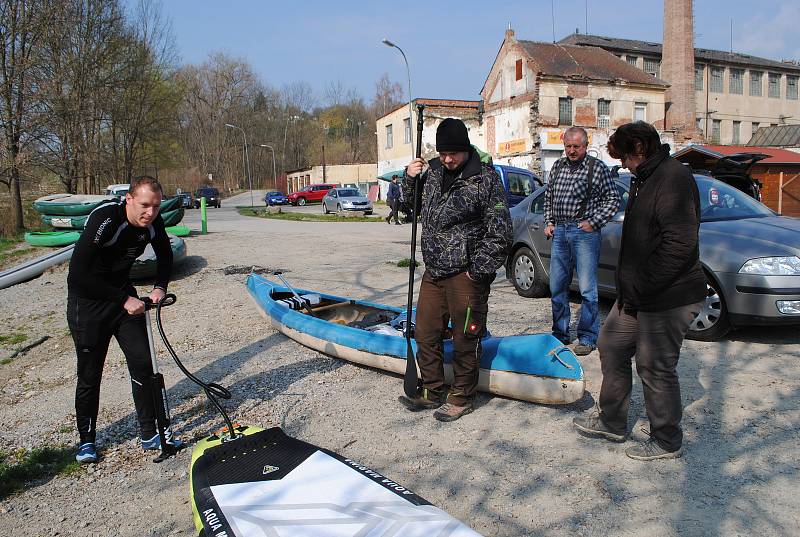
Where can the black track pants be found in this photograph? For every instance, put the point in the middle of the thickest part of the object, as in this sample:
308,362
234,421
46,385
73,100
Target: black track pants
92,323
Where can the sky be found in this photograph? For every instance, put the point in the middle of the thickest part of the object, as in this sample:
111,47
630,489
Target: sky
450,45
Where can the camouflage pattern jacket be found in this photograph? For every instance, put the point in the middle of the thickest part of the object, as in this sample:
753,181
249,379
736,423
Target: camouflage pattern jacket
468,227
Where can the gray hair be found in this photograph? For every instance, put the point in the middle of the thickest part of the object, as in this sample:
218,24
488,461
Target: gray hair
577,130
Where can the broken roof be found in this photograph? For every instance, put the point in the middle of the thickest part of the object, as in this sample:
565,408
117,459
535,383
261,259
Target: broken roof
586,62
654,49
778,136
776,156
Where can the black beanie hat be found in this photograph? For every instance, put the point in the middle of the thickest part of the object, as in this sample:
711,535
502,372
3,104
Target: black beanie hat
451,135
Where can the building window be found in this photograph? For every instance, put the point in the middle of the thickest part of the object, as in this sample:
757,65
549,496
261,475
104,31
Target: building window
791,87
640,112
518,70
736,139
754,128
652,66
407,130
736,82
632,60
716,79
603,114
715,128
389,137
774,85
564,111
755,83
699,73
700,124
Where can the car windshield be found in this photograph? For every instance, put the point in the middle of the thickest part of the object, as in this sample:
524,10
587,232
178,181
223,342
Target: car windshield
274,194
208,192
719,201
349,193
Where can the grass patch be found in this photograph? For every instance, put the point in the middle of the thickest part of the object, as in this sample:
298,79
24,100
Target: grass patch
12,339
19,469
304,217
9,251
407,263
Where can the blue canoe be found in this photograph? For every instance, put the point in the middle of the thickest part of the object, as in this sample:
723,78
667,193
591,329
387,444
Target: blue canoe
535,367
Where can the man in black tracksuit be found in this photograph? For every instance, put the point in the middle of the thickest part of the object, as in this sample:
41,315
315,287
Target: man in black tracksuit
466,234
102,302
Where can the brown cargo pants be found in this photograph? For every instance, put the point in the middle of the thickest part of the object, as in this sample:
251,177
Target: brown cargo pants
464,303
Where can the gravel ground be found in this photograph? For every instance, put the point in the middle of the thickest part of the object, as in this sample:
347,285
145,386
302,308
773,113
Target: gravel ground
510,468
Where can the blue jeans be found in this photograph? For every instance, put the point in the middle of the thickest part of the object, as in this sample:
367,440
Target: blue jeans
573,247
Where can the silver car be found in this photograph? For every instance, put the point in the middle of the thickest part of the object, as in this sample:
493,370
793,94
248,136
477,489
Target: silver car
346,199
751,257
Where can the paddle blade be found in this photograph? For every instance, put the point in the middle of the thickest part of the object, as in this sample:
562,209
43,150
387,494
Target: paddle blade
410,380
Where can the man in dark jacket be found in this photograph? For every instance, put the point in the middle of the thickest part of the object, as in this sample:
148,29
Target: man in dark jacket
393,200
660,289
466,234
101,303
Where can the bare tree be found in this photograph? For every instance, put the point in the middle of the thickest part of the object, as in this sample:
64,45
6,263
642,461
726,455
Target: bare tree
23,24
388,95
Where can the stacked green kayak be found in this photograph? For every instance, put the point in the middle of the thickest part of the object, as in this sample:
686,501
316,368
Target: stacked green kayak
69,204
67,215
52,238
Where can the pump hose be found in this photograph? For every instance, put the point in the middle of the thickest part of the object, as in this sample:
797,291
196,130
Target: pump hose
211,389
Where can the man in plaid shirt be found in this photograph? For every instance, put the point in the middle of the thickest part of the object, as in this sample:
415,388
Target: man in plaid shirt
580,199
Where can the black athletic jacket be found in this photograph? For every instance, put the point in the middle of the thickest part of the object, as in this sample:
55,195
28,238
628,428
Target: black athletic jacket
465,226
101,263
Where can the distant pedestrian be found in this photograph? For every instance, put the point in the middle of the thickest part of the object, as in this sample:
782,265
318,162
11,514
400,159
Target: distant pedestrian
580,199
466,235
393,200
660,290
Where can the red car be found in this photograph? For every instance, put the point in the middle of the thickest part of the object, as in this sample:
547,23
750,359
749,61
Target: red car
309,193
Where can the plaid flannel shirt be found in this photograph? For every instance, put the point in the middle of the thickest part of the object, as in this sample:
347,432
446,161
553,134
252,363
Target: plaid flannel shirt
566,190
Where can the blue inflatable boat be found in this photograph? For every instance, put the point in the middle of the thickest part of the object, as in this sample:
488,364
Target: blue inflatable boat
535,367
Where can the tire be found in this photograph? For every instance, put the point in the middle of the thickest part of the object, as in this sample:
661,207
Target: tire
301,201
527,275
368,213
324,209
712,323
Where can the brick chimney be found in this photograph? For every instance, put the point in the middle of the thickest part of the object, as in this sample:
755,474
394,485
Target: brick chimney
677,68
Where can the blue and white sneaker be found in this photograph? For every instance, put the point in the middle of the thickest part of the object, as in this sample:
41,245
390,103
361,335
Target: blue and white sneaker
87,453
152,444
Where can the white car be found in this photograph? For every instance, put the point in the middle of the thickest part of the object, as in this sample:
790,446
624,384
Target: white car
118,190
346,199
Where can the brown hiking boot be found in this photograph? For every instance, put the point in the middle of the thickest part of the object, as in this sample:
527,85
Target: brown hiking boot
424,400
451,412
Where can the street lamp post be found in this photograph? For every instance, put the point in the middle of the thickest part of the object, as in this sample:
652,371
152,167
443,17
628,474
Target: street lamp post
410,109
285,131
274,175
247,162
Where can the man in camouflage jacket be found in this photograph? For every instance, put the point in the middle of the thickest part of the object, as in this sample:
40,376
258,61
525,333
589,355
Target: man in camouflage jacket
466,235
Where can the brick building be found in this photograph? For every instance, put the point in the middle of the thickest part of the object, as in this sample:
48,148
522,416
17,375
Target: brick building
734,95
535,91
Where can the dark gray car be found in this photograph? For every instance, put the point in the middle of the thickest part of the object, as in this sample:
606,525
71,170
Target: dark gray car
751,257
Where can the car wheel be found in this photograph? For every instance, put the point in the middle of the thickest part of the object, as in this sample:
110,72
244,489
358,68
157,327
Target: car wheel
712,322
528,277
368,213
301,201
324,209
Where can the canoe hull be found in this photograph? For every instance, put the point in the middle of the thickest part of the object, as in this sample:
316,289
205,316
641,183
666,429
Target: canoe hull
535,368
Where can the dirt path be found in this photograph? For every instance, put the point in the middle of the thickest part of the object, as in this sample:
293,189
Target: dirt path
509,469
